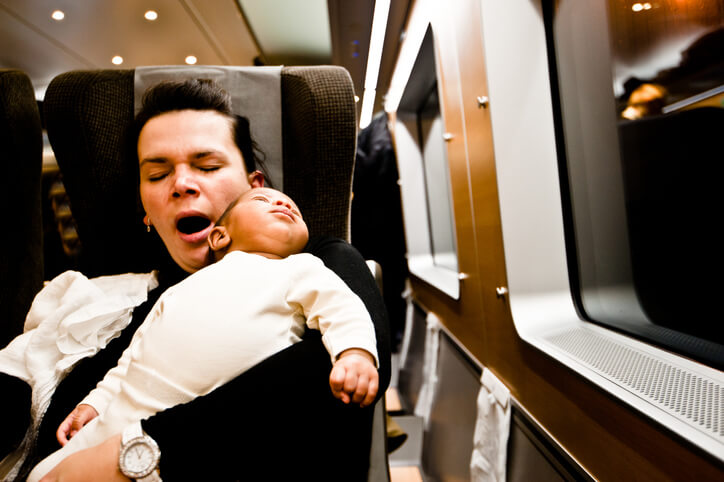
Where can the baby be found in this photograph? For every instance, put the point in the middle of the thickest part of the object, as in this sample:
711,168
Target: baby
253,302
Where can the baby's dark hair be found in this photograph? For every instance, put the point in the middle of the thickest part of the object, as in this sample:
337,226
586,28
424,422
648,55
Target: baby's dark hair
211,257
222,219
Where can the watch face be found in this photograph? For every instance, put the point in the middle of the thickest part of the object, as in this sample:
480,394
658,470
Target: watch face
138,458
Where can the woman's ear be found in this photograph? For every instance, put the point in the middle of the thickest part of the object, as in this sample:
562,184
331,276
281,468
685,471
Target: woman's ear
256,179
219,238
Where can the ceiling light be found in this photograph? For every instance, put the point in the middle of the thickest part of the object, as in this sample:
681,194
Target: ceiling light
377,40
191,60
416,28
117,60
57,15
368,101
151,15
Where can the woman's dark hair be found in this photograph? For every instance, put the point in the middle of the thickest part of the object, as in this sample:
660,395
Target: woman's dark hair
196,94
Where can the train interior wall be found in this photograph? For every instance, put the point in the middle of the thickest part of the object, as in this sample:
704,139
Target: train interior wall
563,427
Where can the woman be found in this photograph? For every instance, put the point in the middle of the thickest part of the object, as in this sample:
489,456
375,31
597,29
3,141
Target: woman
194,158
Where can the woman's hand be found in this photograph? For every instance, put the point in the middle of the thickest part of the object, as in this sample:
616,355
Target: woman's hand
76,420
90,465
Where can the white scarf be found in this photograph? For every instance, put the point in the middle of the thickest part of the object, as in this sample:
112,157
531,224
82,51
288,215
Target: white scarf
71,318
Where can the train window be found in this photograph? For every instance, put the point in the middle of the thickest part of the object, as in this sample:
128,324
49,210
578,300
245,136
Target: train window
431,133
639,90
422,157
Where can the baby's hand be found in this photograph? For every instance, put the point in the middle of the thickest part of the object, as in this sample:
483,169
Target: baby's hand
354,377
76,420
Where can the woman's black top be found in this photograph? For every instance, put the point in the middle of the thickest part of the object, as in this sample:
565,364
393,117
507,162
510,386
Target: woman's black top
276,421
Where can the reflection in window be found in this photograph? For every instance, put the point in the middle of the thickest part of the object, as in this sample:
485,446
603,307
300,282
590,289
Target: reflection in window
641,144
666,55
437,181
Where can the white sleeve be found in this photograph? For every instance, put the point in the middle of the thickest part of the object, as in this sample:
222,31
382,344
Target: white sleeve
100,397
332,308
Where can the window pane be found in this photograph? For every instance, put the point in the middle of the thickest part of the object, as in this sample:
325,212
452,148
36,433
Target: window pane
641,115
437,183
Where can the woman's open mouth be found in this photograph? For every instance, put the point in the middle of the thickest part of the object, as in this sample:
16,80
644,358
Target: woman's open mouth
193,229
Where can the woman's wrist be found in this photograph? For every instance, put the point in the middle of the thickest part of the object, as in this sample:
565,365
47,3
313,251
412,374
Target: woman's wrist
112,452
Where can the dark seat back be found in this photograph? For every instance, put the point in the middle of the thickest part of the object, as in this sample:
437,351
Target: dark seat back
21,159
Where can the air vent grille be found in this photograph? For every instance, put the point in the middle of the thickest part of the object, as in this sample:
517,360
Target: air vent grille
689,396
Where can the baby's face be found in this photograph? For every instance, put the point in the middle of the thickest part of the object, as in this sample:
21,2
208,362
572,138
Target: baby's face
266,220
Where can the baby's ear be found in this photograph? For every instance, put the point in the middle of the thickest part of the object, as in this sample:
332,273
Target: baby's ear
218,238
256,179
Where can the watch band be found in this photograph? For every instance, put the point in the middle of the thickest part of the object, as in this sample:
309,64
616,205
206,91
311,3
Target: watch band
133,435
132,431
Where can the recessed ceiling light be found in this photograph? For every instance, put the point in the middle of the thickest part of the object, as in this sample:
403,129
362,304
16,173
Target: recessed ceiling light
117,60
377,39
151,15
57,15
191,60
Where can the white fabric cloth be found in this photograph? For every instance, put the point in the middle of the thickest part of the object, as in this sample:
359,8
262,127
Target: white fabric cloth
71,318
492,428
256,94
409,318
214,325
423,407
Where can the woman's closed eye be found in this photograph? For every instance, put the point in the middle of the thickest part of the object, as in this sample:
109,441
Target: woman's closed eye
208,168
156,176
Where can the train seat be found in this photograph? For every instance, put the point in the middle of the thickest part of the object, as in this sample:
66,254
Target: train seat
21,158
87,113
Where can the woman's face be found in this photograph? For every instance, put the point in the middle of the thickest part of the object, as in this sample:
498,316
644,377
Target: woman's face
191,170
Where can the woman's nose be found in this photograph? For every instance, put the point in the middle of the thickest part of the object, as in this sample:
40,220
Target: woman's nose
185,185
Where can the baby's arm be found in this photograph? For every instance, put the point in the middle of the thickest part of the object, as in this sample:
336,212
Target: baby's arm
347,331
76,420
96,401
354,377
100,397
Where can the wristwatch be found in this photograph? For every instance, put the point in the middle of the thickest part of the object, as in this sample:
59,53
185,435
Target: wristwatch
139,455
